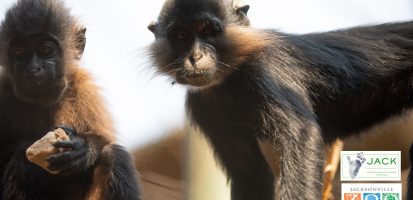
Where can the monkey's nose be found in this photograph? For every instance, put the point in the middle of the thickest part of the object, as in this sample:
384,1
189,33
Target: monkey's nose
194,58
34,71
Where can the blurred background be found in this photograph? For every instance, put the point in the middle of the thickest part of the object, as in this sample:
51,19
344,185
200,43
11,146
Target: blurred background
149,112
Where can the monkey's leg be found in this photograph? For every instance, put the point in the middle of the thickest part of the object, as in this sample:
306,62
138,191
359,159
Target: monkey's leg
302,163
22,180
114,177
250,175
410,177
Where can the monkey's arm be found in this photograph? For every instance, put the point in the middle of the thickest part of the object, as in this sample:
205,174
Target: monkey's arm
302,161
297,135
83,111
114,175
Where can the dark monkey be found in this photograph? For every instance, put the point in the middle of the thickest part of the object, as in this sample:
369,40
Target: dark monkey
41,88
298,91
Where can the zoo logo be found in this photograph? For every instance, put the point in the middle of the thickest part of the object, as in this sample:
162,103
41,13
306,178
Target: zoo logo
352,196
371,196
391,196
355,165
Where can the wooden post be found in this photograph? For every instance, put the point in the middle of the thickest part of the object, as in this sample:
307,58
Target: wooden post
206,180
333,159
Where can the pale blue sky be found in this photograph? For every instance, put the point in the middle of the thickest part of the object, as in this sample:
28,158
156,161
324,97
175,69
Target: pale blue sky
145,107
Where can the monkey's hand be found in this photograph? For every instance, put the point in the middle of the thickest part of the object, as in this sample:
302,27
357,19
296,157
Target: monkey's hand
78,157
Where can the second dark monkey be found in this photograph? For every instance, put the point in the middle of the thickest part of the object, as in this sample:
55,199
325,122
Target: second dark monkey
298,91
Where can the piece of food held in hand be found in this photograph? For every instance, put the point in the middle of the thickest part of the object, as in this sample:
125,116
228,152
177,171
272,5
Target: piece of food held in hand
38,152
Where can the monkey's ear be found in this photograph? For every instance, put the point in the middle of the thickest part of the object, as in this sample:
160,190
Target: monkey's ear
243,9
152,26
80,42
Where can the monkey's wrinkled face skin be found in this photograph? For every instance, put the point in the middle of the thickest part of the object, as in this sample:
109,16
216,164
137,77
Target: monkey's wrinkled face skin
186,50
35,67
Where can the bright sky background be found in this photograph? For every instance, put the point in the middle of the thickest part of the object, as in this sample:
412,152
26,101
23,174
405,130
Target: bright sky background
145,107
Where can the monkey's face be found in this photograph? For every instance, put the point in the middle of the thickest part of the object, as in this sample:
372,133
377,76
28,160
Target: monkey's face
40,43
190,45
187,52
35,65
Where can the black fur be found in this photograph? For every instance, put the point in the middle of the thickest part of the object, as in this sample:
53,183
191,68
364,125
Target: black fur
23,180
33,16
298,91
123,175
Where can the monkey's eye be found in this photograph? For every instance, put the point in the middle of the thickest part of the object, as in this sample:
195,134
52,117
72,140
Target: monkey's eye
180,35
205,27
46,50
19,50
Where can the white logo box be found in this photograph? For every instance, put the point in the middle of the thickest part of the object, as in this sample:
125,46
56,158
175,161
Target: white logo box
377,191
370,166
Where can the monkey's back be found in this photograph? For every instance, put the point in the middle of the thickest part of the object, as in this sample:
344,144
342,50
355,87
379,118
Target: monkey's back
367,74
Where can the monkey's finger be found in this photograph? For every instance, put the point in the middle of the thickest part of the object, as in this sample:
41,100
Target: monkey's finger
76,143
69,167
61,158
72,133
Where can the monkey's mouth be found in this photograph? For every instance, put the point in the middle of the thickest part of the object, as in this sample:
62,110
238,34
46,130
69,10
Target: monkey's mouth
197,78
41,92
36,86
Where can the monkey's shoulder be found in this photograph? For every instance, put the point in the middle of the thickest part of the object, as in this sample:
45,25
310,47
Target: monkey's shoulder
81,85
